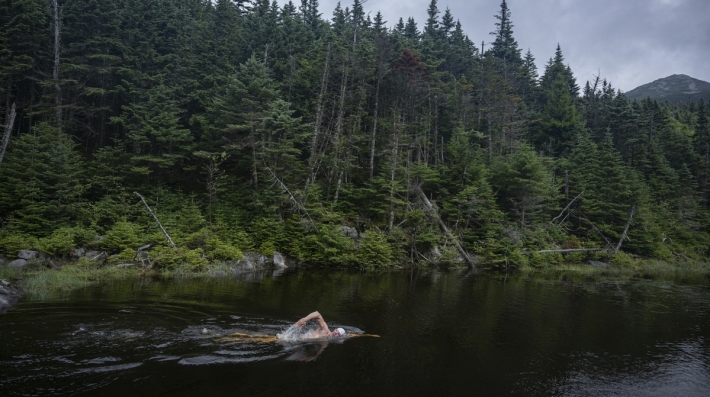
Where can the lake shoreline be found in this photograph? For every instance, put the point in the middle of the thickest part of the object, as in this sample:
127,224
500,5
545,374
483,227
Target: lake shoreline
42,283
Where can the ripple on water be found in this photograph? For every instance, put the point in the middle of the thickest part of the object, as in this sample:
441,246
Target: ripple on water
209,360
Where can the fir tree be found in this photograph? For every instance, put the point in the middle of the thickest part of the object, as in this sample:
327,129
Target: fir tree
504,46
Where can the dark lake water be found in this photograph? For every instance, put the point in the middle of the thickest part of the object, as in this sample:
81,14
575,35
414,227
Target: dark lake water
440,334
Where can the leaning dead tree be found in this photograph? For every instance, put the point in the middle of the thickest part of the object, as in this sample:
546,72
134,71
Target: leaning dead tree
626,229
156,220
564,250
431,209
55,70
299,206
552,222
8,131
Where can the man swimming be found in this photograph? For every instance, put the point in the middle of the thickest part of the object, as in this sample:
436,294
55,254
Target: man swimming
323,331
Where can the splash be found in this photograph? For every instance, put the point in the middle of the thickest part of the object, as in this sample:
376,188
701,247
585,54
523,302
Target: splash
293,333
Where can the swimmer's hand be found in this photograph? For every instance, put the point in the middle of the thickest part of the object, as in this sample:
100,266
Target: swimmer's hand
316,315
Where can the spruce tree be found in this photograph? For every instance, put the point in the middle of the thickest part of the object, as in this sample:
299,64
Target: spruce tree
504,46
41,182
558,121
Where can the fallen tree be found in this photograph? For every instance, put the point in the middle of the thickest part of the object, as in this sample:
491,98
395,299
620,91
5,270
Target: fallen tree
431,209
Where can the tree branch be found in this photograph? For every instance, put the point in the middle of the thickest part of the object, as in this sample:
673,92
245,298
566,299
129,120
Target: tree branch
156,220
565,209
8,131
432,210
626,229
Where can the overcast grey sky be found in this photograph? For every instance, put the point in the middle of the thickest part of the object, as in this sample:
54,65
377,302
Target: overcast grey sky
631,42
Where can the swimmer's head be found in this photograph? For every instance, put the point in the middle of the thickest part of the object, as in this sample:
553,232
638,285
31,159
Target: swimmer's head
338,332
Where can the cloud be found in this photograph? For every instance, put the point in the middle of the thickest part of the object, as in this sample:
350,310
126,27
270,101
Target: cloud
631,42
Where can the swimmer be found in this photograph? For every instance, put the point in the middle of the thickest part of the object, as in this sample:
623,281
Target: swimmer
323,331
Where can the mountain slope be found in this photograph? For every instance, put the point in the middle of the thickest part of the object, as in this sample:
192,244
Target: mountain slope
675,88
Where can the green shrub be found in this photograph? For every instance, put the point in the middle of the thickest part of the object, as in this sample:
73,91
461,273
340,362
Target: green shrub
11,244
121,236
267,248
223,252
60,242
269,232
554,258
171,259
574,257
82,236
375,252
127,255
328,246
623,259
516,258
536,260
450,255
216,249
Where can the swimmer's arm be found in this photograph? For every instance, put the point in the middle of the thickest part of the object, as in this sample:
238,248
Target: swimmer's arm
314,315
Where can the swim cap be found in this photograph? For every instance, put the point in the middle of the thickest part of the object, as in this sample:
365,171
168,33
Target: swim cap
341,331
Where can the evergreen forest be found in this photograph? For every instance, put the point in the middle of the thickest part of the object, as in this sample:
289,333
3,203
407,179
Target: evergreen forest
337,139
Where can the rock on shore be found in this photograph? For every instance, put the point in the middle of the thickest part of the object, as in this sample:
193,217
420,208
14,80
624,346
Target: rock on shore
9,295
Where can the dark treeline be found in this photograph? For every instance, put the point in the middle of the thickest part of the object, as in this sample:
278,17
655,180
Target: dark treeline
249,126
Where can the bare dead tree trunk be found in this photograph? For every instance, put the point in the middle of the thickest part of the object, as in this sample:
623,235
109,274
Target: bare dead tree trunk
567,188
156,220
626,229
490,139
291,197
319,118
393,167
565,209
432,210
436,130
150,266
707,162
374,131
255,170
563,250
345,165
341,102
8,131
55,72
339,123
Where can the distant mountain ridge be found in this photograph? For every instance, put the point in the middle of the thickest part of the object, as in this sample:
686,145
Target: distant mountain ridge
674,89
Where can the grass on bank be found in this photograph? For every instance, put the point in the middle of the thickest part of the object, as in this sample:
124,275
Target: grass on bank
42,283
641,268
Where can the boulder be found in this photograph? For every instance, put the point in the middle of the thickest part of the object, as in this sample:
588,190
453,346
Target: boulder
91,255
279,260
434,252
3,261
28,254
350,232
242,266
255,259
217,273
125,265
598,264
17,264
9,295
77,253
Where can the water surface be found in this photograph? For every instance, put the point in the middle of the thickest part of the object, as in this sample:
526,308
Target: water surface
441,334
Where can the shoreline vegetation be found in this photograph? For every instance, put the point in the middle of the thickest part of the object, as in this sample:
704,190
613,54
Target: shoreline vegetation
41,283
175,137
